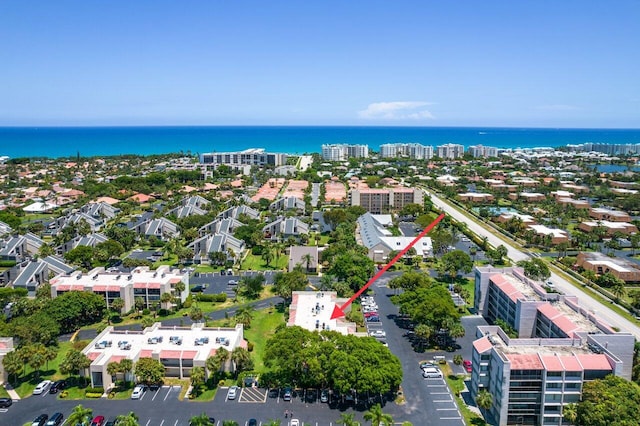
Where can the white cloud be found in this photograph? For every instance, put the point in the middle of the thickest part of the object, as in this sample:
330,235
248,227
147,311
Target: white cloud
406,110
558,107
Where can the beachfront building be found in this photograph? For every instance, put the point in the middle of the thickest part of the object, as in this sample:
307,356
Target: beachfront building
450,151
312,311
141,282
480,151
600,263
248,157
178,349
559,346
414,151
373,233
341,152
385,200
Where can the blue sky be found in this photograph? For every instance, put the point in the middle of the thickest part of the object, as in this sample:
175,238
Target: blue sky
433,63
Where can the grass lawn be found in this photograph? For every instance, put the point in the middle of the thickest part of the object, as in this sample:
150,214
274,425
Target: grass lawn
263,324
456,384
207,392
32,217
26,383
3,392
208,268
255,263
324,239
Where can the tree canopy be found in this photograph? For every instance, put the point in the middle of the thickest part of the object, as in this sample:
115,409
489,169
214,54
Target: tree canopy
612,401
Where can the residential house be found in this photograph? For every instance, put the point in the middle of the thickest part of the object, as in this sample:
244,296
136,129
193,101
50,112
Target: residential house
610,215
600,263
476,197
611,227
228,225
305,256
222,242
90,240
19,247
284,227
288,204
235,212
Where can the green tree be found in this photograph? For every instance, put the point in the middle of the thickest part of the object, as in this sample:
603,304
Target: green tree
347,419
285,283
197,378
535,269
267,255
484,400
612,401
74,362
376,417
252,285
570,412
37,357
81,256
201,420
149,371
244,315
619,290
307,259
130,419
126,365
13,364
229,423
80,416
456,261
196,314
117,305
113,368
242,359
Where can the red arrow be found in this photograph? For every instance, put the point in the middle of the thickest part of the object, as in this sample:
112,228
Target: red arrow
338,311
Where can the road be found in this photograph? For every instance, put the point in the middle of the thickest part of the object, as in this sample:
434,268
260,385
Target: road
585,300
315,194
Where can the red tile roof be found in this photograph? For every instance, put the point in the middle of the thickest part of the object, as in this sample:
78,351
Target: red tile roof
506,287
93,355
570,363
168,354
189,354
117,358
552,363
146,353
594,361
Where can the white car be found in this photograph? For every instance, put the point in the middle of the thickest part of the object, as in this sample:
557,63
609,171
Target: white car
377,333
294,422
233,392
431,373
42,386
137,393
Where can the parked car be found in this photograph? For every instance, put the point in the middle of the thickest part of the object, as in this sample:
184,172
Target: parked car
287,394
197,289
294,422
137,393
252,422
5,402
377,333
373,318
97,421
55,419
110,422
58,385
370,314
233,282
40,420
426,364
324,395
42,386
223,272
431,373
233,392
467,365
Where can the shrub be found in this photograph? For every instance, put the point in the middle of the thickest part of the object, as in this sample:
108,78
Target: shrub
257,250
221,297
250,346
7,263
164,312
457,359
93,395
206,297
146,311
188,302
64,394
99,390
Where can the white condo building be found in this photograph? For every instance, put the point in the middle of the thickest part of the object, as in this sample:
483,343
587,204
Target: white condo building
481,151
341,152
450,151
412,150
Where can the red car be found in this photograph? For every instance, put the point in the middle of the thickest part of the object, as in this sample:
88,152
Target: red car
370,314
97,421
467,365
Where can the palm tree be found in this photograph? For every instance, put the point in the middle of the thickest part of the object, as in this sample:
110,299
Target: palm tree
376,417
50,353
113,368
570,412
126,365
197,379
308,258
80,416
242,359
201,420
347,419
130,419
267,255
214,363
423,332
37,360
245,315
619,290
117,305
165,299
484,400
13,365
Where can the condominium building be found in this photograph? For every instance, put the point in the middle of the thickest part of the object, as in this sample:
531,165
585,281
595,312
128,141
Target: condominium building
600,263
179,349
480,151
341,152
248,157
312,310
415,151
385,200
557,347
450,151
149,285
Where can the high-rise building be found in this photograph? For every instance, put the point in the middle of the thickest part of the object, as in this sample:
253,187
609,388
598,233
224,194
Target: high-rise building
248,157
480,151
412,150
341,152
450,151
553,346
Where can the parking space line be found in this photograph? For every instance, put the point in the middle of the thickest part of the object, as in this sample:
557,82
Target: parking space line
176,423
443,400
168,392
446,409
438,393
162,422
147,423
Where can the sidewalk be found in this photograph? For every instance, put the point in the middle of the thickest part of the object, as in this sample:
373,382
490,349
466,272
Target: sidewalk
13,394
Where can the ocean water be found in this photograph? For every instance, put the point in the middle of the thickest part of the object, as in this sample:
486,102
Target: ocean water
96,141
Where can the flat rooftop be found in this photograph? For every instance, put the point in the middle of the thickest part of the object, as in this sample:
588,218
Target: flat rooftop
142,343
312,310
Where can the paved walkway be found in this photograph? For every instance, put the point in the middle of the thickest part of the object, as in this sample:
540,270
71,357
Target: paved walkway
13,394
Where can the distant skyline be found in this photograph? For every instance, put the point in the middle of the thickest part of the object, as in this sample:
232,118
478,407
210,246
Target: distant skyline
567,64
